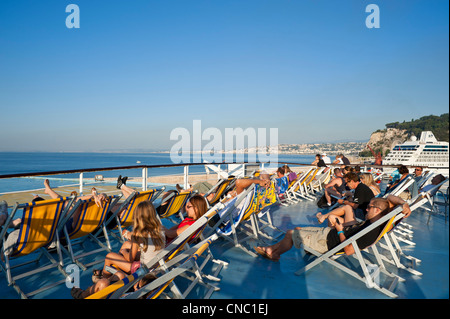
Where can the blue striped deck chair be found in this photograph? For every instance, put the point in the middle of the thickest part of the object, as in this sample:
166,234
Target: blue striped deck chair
36,232
219,190
370,276
231,216
124,215
170,254
175,203
91,218
155,288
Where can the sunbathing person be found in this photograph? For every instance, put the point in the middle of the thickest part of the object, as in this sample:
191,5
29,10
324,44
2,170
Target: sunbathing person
367,179
408,193
323,239
282,182
335,187
195,208
357,206
78,293
436,180
292,176
143,243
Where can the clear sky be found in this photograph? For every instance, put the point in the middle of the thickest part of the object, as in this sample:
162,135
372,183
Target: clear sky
136,70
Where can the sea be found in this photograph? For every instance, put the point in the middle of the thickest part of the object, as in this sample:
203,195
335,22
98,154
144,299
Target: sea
31,162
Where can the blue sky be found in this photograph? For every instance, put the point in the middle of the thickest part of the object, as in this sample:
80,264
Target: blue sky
136,70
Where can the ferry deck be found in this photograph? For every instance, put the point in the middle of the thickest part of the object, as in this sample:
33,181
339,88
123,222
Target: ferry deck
256,278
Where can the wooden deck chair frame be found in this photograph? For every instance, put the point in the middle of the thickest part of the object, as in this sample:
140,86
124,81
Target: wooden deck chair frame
367,277
91,218
35,236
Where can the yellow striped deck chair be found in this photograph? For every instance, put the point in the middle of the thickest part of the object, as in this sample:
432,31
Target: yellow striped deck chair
219,190
91,218
174,249
157,286
38,229
299,189
175,203
124,215
371,274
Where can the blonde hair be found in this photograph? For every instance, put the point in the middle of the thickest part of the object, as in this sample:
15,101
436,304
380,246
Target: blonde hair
367,179
145,225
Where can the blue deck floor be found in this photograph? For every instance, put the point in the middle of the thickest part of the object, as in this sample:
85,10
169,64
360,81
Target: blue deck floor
247,277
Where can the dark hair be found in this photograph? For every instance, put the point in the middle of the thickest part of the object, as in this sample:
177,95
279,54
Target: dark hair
199,204
437,179
403,169
352,177
281,170
37,199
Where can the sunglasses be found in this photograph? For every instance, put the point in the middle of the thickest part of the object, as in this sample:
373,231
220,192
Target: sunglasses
372,206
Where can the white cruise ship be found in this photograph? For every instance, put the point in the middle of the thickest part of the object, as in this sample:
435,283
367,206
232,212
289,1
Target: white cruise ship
427,152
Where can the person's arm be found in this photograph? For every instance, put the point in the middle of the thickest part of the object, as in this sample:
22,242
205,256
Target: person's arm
242,184
175,231
130,254
395,201
340,230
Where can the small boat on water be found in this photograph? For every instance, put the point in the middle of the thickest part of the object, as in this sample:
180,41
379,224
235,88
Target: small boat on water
426,151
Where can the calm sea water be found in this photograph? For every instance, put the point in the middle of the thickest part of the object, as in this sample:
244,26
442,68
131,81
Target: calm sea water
18,162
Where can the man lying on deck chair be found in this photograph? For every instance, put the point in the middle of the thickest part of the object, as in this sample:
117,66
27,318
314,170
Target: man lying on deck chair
323,239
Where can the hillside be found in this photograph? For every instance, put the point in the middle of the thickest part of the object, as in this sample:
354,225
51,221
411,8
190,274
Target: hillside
383,140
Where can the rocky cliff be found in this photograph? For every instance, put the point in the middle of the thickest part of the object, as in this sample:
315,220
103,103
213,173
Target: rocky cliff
384,140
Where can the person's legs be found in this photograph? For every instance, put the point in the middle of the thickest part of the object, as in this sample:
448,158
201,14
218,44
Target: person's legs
117,260
275,251
49,191
337,212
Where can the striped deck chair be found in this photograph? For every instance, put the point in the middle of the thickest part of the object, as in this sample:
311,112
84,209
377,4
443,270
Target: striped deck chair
296,189
306,189
259,214
37,231
167,255
220,189
394,251
370,276
175,202
91,218
124,215
155,288
237,210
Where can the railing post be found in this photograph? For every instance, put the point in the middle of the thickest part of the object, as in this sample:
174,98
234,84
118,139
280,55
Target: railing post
186,177
81,184
144,179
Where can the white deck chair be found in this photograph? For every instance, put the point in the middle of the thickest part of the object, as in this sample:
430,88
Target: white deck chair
371,279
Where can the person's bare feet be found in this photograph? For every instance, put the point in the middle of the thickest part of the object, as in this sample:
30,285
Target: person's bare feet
267,252
47,186
321,218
